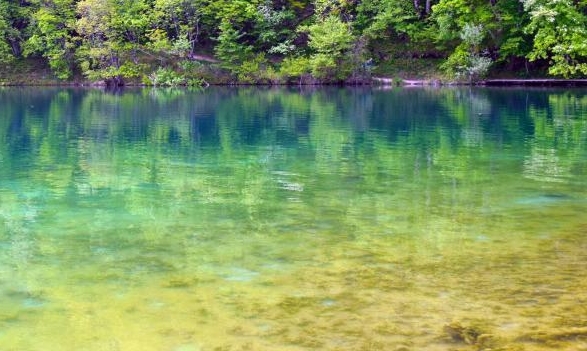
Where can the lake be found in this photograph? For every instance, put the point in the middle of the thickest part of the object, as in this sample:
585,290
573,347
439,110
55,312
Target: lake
293,219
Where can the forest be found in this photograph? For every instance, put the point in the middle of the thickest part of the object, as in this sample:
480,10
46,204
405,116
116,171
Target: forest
197,42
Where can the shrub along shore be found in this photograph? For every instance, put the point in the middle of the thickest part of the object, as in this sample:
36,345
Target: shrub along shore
35,72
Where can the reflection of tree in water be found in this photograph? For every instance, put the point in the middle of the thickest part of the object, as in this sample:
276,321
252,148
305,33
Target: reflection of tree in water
544,165
341,127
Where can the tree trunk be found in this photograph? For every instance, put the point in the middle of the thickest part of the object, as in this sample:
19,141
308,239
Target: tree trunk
15,46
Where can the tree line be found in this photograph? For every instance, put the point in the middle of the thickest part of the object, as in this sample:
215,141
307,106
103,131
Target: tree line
289,41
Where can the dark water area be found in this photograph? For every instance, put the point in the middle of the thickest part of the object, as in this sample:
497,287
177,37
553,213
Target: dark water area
288,219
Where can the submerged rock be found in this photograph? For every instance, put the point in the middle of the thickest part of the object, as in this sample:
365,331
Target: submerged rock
543,199
469,335
33,302
563,334
460,333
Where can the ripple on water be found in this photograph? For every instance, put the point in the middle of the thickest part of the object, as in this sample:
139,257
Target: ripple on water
188,347
543,199
509,326
482,238
328,302
239,274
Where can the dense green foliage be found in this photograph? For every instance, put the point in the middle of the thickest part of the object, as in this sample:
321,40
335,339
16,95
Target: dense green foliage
281,41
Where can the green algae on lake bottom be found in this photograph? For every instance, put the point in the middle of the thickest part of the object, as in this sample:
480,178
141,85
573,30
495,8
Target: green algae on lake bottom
250,219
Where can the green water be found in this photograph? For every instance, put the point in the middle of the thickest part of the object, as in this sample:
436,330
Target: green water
276,219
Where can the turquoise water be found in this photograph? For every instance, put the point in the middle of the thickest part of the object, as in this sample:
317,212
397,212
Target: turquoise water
287,219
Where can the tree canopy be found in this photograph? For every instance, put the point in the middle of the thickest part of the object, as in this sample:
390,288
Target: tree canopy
157,41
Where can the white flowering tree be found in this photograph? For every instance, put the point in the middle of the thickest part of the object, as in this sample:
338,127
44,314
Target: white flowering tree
468,60
559,28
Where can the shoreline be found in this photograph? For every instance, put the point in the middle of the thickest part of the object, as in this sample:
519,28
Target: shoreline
375,81
534,82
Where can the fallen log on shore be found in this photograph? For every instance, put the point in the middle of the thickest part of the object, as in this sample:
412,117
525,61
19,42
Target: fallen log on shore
534,82
489,82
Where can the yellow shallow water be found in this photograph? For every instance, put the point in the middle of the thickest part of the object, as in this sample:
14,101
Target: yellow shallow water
356,294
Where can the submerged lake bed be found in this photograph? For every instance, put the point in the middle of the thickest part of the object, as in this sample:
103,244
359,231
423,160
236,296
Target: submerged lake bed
287,219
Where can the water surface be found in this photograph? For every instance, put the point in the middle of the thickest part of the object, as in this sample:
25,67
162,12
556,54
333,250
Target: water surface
286,219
